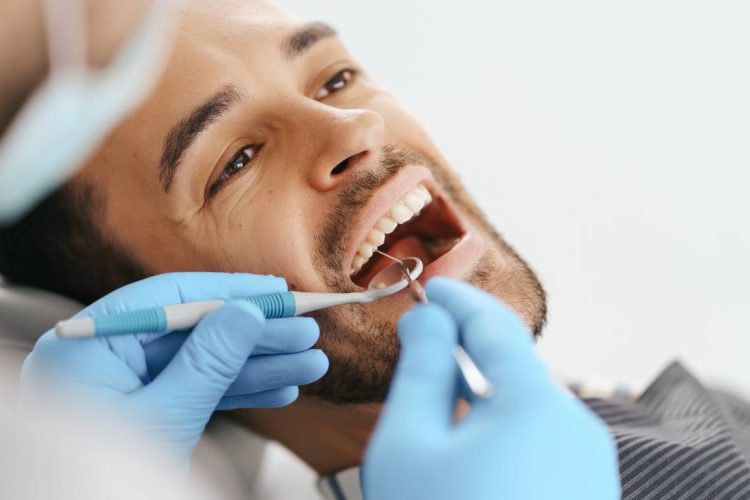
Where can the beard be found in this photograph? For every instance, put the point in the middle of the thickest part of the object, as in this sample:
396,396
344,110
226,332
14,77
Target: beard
361,340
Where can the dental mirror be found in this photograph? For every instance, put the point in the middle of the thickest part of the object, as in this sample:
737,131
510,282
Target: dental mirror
388,281
393,274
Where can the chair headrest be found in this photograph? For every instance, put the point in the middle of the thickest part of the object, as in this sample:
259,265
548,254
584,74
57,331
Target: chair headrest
26,313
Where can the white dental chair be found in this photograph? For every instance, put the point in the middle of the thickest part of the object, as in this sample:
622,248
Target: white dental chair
25,314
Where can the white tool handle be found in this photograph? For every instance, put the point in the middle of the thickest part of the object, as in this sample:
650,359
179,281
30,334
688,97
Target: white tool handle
310,301
187,315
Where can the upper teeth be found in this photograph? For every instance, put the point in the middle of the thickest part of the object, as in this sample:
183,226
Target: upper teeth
409,206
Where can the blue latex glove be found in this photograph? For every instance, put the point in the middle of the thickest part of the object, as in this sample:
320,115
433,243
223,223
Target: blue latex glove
233,358
530,441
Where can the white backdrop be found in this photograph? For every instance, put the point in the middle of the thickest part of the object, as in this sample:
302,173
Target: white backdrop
610,143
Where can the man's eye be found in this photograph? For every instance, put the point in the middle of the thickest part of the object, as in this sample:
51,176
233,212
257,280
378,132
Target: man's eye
339,81
238,163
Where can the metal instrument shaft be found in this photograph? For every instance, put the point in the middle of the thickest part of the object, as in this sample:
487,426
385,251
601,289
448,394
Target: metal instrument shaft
477,383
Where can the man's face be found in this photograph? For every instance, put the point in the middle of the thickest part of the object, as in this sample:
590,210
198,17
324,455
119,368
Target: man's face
267,149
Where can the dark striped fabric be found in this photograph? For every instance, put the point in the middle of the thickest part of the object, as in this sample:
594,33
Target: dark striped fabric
680,440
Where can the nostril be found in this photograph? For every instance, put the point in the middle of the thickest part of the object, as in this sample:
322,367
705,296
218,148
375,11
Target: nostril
350,162
340,167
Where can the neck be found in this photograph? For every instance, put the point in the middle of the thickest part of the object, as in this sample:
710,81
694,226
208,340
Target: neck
328,437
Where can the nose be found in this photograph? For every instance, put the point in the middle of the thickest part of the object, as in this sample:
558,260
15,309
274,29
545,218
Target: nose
345,139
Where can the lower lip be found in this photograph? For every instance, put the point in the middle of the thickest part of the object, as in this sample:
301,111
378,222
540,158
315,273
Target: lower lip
457,262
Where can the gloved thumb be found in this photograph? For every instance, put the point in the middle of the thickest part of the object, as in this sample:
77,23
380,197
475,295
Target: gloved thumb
213,355
422,394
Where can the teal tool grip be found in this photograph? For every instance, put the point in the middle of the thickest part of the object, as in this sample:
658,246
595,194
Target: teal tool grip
143,321
154,320
275,305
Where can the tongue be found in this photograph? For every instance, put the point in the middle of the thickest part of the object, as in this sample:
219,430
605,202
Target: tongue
410,246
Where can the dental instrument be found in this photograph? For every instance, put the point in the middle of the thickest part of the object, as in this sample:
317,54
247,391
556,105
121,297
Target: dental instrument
414,287
275,305
475,380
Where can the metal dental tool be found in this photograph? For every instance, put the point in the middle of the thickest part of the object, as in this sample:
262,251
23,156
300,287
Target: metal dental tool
274,305
416,289
475,380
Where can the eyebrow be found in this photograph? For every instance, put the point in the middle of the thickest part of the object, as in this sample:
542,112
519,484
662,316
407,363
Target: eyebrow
183,135
303,38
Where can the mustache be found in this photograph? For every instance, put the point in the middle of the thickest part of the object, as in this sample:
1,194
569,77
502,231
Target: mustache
331,241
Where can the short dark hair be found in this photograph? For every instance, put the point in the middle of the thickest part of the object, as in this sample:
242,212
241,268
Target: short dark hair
59,247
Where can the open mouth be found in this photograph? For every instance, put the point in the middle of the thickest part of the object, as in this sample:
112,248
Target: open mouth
420,224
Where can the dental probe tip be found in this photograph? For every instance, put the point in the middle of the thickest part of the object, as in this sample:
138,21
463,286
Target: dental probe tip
417,291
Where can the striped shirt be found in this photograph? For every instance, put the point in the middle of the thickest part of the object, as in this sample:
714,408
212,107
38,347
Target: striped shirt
680,440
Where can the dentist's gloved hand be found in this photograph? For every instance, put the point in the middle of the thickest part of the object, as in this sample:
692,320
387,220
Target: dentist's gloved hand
169,385
530,441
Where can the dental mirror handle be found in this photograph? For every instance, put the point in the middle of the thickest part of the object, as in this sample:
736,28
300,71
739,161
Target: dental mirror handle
168,318
187,315
310,301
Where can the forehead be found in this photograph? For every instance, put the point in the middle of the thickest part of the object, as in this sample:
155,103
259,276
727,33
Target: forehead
233,16
216,34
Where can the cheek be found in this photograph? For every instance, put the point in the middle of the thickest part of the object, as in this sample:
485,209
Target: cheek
272,235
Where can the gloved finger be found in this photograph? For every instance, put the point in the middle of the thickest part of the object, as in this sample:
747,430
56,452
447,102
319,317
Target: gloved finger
208,286
274,371
285,335
211,357
276,398
158,353
175,288
462,300
494,336
503,352
422,394
288,335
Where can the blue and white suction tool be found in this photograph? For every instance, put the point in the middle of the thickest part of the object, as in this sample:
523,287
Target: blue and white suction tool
275,305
